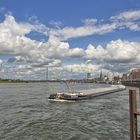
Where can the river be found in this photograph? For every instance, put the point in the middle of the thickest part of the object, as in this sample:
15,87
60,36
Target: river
26,114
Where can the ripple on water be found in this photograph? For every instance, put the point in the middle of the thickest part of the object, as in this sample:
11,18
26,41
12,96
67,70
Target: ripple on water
26,114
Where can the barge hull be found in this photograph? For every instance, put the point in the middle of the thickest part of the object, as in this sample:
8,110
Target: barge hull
86,94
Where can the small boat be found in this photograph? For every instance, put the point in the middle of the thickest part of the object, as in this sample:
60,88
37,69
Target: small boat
85,94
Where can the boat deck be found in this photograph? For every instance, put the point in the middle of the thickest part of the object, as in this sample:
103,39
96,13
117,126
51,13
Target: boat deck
100,91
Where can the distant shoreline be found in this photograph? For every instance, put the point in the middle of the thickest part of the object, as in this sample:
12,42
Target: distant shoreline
10,82
43,81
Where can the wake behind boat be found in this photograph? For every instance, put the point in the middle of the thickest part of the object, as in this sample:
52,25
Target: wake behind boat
85,94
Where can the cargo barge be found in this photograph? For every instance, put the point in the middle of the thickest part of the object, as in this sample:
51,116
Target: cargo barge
86,94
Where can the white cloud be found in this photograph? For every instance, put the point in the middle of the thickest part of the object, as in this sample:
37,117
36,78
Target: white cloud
76,52
127,15
12,35
85,30
55,63
14,28
117,51
128,19
89,21
98,53
32,54
132,26
123,51
56,48
14,42
82,68
117,56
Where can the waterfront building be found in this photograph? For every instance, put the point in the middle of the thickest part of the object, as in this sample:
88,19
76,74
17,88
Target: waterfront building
135,73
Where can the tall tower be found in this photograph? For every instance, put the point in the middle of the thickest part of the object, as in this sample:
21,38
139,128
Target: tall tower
101,76
88,75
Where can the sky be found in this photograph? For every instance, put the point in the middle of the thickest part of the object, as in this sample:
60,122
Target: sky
69,38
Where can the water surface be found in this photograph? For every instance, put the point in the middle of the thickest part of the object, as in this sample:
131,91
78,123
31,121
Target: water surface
26,114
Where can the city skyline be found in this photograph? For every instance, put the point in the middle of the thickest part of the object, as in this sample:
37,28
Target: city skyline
71,38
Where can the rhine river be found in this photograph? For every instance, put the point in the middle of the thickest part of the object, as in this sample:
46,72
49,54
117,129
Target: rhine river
26,114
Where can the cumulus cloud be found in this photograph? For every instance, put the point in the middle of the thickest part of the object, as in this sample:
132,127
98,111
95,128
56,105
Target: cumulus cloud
82,68
118,56
118,51
14,28
12,35
76,52
33,56
98,53
14,42
123,51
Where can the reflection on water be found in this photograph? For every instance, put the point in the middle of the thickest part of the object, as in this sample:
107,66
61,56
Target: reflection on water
26,114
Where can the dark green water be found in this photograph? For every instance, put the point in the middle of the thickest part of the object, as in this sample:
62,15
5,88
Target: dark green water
26,114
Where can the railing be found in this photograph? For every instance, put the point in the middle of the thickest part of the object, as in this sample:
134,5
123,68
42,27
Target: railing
133,115
133,83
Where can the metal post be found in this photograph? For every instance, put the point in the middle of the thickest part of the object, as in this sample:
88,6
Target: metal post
47,74
139,93
133,115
